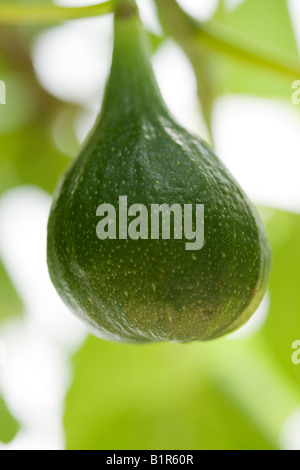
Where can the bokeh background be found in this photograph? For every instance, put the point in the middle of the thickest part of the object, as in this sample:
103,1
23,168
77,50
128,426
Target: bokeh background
62,388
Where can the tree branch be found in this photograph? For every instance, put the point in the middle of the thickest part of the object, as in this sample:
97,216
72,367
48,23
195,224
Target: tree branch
37,14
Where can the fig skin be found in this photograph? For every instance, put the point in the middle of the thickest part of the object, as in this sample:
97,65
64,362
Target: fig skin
152,290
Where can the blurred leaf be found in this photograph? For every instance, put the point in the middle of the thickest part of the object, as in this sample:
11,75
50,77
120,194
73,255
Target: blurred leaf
155,41
19,107
264,23
8,425
30,156
249,20
151,397
10,302
28,151
283,324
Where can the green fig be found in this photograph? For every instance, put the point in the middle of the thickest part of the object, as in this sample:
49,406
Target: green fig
202,272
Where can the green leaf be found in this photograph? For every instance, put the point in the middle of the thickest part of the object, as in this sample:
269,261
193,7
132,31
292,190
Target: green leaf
8,425
28,151
283,324
10,302
155,41
249,20
29,156
260,24
152,397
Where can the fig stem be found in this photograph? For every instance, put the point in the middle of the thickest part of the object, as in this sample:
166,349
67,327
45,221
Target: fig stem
132,89
125,8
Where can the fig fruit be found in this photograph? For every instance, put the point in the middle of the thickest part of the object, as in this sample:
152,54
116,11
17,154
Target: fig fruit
150,238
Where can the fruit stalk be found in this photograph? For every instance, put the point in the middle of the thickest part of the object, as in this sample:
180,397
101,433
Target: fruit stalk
131,70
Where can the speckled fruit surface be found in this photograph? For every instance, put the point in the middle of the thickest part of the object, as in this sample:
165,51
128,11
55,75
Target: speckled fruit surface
152,290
